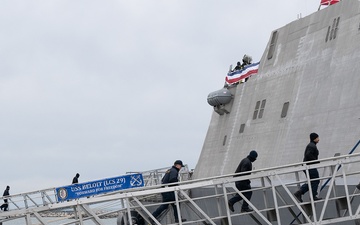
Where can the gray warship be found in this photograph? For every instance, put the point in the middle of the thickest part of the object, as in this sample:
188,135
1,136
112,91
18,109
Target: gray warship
307,80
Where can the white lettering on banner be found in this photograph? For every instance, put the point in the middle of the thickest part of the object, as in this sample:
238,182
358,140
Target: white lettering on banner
85,192
99,189
75,191
91,185
113,187
121,180
75,188
109,182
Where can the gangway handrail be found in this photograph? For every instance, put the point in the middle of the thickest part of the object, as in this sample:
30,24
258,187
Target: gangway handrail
302,166
328,180
233,179
291,167
27,193
223,180
204,179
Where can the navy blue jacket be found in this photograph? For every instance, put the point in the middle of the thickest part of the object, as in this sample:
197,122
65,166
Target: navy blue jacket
245,165
171,176
311,153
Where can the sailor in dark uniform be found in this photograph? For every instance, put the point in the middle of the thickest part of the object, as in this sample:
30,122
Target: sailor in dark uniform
245,165
5,206
76,179
237,67
311,153
171,176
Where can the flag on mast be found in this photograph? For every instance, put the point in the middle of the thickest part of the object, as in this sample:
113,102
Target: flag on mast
329,2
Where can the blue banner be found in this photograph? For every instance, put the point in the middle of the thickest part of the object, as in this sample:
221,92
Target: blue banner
81,190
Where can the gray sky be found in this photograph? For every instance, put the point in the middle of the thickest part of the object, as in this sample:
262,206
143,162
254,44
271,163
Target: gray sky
105,87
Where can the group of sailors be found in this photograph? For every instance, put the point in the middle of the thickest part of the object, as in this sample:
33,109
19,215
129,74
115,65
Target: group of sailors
311,154
245,61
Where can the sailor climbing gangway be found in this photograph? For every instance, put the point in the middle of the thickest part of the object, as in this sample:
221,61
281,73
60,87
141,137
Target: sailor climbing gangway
203,201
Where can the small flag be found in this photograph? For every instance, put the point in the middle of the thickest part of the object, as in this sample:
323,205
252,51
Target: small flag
329,2
247,71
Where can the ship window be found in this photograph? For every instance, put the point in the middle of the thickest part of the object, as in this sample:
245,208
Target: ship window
336,27
242,128
327,35
263,102
272,44
259,109
224,142
332,29
257,106
285,109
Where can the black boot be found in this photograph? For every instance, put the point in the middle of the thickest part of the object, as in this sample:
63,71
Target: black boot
247,209
182,220
231,206
298,195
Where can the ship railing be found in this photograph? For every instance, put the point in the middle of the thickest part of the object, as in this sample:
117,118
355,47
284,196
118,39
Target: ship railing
153,177
204,201
48,196
31,199
276,186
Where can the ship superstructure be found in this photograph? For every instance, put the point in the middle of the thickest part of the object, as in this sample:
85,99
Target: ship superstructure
308,81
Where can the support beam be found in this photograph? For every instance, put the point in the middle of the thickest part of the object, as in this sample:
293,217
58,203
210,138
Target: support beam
95,218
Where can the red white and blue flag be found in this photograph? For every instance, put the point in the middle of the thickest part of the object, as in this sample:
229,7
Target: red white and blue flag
328,2
247,71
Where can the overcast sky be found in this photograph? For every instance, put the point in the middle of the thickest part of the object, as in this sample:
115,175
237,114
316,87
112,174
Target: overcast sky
106,87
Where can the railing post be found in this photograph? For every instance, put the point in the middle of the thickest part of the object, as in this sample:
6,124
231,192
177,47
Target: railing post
264,192
347,193
43,198
25,202
226,204
332,183
128,210
78,212
178,207
28,219
275,200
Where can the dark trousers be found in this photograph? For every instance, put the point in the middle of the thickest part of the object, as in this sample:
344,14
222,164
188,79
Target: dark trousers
5,206
167,197
314,174
242,186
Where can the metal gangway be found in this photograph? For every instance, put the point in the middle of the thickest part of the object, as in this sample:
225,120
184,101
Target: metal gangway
204,201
